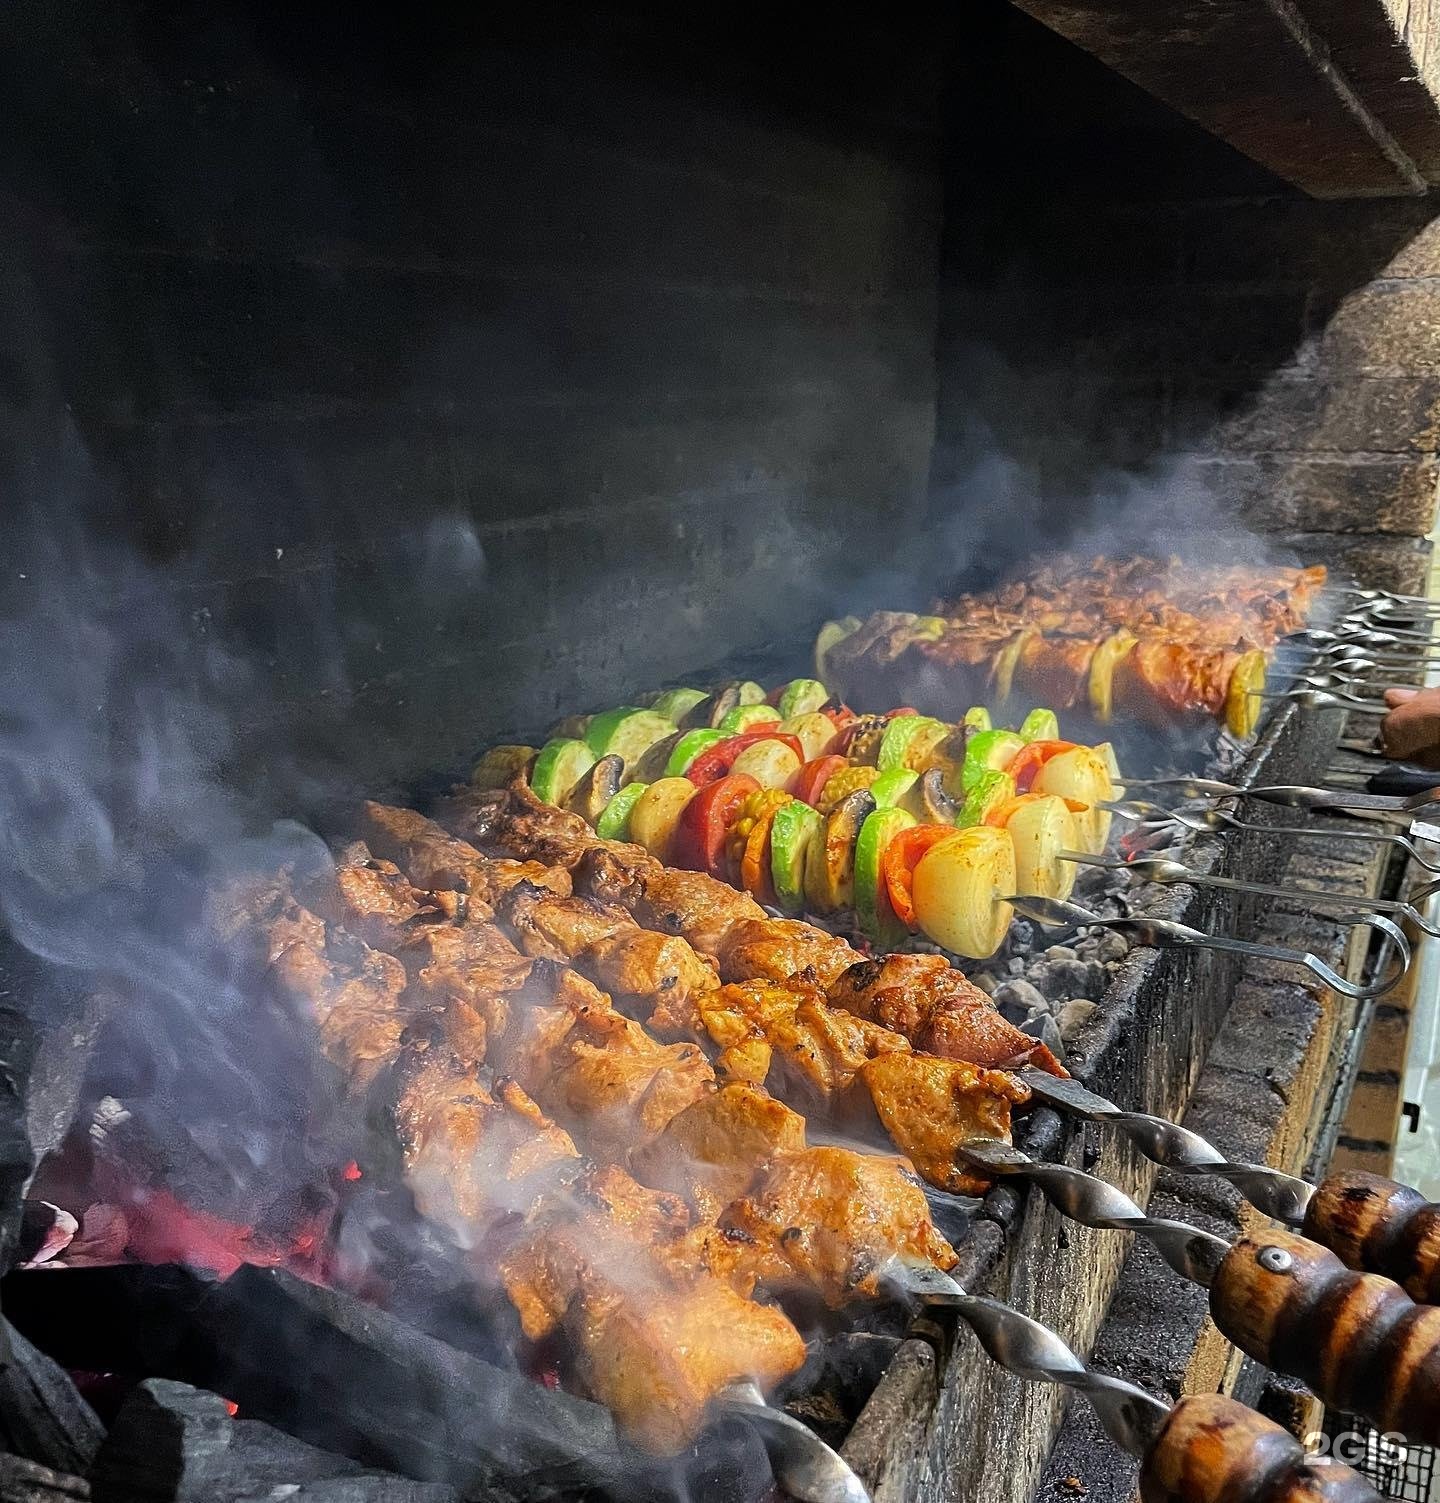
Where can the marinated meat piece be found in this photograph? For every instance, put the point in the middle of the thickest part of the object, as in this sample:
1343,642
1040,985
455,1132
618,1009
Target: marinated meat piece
558,928
767,949
471,1159
835,1221
472,964
816,1045
1055,671
375,901
657,1362
930,1106
434,859
694,905
712,1151
662,969
939,1010
1174,679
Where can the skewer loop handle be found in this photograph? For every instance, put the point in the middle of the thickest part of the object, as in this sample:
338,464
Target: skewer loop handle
1356,1339
1371,1222
1215,1450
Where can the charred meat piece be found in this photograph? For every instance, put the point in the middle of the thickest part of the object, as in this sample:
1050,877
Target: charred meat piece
814,1045
552,927
831,1220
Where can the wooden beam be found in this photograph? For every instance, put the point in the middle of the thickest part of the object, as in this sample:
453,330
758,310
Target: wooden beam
1338,97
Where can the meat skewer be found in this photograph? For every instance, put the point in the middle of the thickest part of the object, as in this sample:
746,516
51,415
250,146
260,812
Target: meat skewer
1289,1303
919,996
461,1141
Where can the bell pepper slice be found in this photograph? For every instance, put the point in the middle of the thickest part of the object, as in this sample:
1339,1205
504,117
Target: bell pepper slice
717,760
699,844
1028,761
755,875
899,860
810,781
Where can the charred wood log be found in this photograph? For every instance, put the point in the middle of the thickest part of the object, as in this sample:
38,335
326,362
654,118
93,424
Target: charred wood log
24,1481
43,1417
176,1444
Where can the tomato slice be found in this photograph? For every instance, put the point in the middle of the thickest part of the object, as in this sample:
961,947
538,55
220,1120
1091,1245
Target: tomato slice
898,863
813,776
841,715
716,761
1028,761
699,844
903,710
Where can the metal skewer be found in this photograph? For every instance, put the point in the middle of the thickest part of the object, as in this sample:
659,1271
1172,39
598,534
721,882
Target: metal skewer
1344,1205
1291,795
1168,935
1228,1270
1159,869
808,1469
1184,1449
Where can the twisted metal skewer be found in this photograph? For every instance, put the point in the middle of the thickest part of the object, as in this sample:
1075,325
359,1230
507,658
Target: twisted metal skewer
808,1469
1131,1417
1166,934
1193,1254
1272,1191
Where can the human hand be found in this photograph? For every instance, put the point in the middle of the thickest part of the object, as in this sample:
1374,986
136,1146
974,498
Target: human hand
1411,730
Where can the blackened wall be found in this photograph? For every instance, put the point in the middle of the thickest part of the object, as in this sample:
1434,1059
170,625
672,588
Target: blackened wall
1157,335
467,371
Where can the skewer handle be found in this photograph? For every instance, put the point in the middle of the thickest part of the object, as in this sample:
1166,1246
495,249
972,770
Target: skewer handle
1215,1450
1373,1223
1356,1339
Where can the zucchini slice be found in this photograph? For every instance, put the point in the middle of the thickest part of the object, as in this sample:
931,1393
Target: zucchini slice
498,767
559,767
627,733
797,827
657,813
675,704
614,821
771,763
1108,657
876,917
748,718
802,696
1242,697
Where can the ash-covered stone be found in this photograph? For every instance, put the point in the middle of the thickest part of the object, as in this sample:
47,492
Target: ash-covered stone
1074,1015
1018,1000
1042,1026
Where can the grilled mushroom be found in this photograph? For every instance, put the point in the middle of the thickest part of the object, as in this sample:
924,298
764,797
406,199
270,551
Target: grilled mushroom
590,795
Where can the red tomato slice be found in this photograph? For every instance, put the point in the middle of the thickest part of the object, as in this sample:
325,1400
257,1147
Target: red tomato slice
903,710
813,776
699,844
842,715
717,761
898,863
1030,759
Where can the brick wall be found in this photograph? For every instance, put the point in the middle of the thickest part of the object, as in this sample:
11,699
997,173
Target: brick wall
1165,336
468,368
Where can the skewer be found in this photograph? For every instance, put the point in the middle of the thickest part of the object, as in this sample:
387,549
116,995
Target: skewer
1289,795
1207,1447
1372,1224
1287,1302
1166,934
1159,869
1323,699
808,1469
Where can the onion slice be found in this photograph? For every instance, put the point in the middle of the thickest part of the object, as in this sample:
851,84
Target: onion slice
1039,830
958,884
1081,775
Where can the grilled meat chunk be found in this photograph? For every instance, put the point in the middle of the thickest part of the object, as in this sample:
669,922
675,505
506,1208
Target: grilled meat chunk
767,949
835,1221
432,858
930,1106
939,1010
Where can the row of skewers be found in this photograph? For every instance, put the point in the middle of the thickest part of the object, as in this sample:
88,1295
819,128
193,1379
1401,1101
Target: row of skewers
889,825
424,966
1162,642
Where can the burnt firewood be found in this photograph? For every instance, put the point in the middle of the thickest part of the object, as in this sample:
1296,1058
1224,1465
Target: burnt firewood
43,1417
24,1481
175,1444
329,1369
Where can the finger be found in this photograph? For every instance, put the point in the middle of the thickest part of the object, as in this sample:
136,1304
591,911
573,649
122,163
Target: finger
1399,696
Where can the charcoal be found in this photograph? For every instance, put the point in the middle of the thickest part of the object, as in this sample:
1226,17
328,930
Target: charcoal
24,1481
43,1417
177,1444
328,1368
1042,1027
